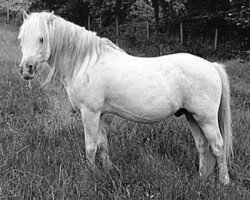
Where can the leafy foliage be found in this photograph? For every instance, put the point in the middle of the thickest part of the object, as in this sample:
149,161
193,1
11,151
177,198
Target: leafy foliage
239,17
73,10
107,11
141,11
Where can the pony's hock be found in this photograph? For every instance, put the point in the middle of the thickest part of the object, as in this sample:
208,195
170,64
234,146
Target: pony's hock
100,78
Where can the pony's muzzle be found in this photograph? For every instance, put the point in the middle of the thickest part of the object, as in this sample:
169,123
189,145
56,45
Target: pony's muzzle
27,71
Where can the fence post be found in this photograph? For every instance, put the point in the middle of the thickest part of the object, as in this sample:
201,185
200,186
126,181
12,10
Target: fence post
161,49
89,22
147,28
181,32
100,22
216,39
8,15
25,2
117,30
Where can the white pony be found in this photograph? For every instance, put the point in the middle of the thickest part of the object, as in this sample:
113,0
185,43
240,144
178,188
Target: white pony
100,78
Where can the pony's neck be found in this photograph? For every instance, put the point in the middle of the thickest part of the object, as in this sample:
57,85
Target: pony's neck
73,48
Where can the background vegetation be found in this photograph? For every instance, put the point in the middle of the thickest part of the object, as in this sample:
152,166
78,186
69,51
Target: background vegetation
42,152
200,19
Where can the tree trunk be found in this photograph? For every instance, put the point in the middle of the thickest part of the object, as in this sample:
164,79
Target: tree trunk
164,6
157,19
118,9
156,13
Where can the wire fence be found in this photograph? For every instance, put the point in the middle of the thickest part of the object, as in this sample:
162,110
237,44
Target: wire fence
203,38
13,12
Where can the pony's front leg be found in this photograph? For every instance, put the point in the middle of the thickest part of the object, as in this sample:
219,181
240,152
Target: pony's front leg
95,136
103,145
91,121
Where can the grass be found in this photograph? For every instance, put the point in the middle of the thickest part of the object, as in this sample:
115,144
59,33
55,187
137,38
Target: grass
42,145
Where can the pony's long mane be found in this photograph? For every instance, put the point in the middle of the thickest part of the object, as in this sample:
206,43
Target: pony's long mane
72,46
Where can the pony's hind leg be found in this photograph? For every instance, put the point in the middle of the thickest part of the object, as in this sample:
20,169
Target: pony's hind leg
212,133
206,158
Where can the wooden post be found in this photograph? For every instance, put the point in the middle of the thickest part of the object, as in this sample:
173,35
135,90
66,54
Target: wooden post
216,39
100,22
8,15
147,28
25,2
181,33
89,22
117,30
161,49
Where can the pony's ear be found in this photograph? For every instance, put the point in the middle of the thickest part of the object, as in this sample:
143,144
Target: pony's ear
25,15
51,17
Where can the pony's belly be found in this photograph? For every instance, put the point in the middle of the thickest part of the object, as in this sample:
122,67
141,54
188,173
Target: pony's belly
136,117
144,114
143,100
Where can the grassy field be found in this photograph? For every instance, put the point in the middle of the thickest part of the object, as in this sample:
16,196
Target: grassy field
42,145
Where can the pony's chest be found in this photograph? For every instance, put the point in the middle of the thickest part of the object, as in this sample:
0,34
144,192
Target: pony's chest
74,98
82,92
76,89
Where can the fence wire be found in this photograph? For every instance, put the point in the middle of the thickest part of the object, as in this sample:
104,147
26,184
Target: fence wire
204,38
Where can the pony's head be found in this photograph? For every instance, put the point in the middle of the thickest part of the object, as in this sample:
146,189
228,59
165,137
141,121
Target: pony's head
35,42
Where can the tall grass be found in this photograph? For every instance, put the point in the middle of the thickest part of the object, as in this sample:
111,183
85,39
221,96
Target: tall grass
42,152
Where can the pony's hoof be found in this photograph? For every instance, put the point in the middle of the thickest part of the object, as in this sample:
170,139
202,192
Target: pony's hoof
203,173
108,165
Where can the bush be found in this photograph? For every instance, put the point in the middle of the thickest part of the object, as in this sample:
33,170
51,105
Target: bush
74,10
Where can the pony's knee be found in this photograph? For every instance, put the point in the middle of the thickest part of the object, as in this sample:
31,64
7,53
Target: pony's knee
217,148
200,145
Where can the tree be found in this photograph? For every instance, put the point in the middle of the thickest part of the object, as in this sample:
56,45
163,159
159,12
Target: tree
239,15
108,10
155,4
73,10
202,7
142,11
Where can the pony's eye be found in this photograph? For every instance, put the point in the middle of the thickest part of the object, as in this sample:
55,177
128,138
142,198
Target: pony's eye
41,40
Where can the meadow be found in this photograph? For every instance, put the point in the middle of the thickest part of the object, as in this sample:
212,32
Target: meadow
42,145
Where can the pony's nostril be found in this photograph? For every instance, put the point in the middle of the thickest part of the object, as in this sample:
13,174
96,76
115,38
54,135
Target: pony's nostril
30,69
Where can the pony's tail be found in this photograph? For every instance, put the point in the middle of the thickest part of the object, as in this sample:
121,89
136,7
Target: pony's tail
224,114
